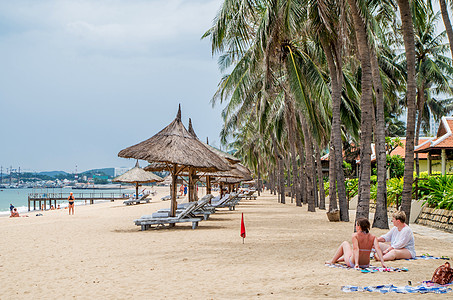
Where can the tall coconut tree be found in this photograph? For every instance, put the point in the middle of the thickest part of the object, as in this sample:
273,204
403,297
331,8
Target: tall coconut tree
409,46
447,23
433,69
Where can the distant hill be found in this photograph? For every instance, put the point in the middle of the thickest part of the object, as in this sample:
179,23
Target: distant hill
107,171
53,173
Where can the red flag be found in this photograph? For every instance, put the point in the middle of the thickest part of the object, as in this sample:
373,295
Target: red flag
242,226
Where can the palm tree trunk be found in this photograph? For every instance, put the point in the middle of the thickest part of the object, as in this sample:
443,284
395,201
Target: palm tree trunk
421,103
322,193
290,118
281,179
259,175
332,181
409,45
309,165
363,206
302,177
447,23
336,155
380,217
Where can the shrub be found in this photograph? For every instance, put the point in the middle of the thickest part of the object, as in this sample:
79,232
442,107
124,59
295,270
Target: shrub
396,165
440,193
394,190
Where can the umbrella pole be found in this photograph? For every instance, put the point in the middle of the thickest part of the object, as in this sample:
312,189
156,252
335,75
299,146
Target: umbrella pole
208,185
136,190
173,194
191,184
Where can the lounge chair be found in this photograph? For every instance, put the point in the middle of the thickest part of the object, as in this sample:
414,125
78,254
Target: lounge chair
184,216
200,209
228,200
137,201
249,194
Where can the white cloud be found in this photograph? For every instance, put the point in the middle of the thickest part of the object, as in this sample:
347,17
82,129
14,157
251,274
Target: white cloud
130,26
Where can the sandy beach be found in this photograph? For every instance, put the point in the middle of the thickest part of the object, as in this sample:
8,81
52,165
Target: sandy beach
100,253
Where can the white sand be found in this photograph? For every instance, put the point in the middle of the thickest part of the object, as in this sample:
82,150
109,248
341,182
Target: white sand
100,253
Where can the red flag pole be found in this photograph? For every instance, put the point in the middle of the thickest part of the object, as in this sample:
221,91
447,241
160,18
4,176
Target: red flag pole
242,228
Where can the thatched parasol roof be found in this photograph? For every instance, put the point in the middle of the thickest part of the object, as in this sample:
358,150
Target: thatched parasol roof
175,145
138,175
238,173
231,159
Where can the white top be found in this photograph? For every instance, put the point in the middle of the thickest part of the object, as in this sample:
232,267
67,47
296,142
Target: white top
401,239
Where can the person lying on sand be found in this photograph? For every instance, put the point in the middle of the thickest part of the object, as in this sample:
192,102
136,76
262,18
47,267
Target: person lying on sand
362,243
399,242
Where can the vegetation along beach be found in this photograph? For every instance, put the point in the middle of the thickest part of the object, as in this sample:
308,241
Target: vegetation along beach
300,150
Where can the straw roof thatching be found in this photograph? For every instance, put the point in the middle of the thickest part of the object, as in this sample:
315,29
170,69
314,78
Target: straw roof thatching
138,175
237,174
227,156
175,145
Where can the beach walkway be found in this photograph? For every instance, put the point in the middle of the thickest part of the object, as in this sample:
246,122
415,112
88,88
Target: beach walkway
44,198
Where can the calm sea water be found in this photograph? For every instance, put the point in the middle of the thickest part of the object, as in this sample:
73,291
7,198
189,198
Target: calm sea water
19,197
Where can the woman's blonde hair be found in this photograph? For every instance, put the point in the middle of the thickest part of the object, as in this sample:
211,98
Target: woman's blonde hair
400,215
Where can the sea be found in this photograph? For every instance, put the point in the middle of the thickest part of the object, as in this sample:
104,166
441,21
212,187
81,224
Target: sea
19,197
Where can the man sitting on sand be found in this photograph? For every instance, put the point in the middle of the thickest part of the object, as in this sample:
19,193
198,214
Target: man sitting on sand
401,239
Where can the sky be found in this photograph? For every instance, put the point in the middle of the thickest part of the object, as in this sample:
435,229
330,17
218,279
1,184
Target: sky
81,80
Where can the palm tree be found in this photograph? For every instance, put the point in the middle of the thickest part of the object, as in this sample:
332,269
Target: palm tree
447,23
409,46
366,109
326,20
434,70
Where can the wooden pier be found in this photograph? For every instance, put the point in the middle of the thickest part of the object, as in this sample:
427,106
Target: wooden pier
48,198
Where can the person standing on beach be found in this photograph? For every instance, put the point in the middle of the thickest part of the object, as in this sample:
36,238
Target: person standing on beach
71,203
11,207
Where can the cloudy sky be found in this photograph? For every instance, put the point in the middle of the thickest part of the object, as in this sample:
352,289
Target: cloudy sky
83,79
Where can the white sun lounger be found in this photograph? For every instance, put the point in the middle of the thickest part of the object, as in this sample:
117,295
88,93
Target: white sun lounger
137,201
184,216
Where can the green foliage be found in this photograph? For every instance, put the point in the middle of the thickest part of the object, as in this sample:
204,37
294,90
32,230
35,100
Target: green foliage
440,193
100,181
396,165
352,187
394,190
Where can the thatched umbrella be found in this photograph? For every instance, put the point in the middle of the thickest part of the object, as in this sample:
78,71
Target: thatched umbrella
226,156
175,147
137,175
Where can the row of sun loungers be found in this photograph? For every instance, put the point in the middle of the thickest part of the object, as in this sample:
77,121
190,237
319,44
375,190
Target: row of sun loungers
137,201
193,211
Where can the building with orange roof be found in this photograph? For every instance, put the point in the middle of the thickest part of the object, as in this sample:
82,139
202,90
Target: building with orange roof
439,147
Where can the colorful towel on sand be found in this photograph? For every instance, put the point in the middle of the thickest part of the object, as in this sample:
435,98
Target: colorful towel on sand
370,269
425,287
427,256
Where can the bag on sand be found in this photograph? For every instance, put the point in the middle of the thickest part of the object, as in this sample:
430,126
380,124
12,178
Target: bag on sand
443,274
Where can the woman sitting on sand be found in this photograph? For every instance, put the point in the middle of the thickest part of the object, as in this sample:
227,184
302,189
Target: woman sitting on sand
362,243
14,213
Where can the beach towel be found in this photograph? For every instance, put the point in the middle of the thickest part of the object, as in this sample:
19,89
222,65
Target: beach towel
423,288
370,269
427,256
